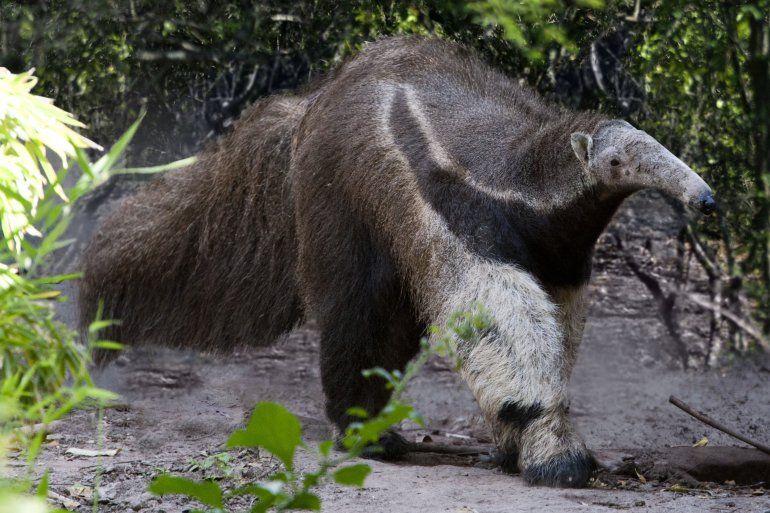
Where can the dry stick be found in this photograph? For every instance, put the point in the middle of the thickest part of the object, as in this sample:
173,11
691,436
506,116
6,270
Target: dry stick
664,298
34,429
716,425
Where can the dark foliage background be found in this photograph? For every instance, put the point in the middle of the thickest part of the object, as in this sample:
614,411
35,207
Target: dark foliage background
694,74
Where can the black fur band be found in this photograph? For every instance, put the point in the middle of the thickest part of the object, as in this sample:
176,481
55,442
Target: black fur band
515,413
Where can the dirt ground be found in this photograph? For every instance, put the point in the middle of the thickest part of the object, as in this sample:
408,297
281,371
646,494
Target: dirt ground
178,409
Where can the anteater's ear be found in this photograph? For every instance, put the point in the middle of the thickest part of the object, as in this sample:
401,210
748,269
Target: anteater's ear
581,144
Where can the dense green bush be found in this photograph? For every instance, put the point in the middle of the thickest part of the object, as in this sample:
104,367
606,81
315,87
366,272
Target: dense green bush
43,367
705,69
44,371
194,65
693,73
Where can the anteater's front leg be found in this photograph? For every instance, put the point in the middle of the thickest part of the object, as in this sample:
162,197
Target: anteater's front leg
516,370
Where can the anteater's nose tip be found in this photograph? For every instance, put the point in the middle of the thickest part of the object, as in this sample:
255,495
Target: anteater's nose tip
707,203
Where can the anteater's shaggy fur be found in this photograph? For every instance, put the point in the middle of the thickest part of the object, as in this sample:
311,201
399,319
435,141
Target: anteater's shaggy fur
410,183
205,256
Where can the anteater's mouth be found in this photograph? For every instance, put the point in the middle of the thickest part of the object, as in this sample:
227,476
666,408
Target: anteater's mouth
705,203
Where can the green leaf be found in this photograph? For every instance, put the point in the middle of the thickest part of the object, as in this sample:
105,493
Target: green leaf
591,4
311,479
33,449
305,501
104,164
186,162
352,475
97,326
357,411
207,492
325,448
108,344
42,488
389,377
267,493
362,433
273,428
703,442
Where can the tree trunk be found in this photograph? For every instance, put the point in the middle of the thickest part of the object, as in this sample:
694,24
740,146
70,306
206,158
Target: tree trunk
758,66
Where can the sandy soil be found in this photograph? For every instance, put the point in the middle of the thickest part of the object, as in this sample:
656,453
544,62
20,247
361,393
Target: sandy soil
180,407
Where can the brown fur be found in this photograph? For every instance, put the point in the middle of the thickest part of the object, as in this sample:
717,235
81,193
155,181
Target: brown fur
410,183
205,256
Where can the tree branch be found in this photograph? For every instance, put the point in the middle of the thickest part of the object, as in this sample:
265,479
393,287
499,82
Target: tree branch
742,324
716,425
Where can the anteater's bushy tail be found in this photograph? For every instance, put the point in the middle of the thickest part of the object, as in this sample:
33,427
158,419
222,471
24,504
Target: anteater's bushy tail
204,256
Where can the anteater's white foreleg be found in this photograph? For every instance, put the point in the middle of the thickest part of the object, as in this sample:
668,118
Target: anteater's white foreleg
518,371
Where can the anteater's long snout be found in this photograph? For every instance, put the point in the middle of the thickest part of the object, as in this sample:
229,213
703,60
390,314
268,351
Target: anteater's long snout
677,179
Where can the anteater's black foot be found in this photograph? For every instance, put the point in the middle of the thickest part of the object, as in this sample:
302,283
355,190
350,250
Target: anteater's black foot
507,460
567,470
391,446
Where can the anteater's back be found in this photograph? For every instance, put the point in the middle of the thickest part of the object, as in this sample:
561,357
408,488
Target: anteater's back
204,256
207,256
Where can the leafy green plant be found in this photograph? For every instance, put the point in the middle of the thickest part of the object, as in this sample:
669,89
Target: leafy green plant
29,126
530,25
220,463
275,430
43,369
707,84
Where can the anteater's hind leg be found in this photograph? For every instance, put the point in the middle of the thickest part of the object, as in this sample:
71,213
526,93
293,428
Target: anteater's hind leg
387,337
366,321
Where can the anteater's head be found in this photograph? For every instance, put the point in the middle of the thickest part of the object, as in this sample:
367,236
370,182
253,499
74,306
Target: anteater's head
618,157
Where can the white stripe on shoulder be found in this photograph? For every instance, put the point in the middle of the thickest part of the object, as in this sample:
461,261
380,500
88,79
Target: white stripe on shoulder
439,153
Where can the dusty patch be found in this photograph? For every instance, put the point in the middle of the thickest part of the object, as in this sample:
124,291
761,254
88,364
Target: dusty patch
182,428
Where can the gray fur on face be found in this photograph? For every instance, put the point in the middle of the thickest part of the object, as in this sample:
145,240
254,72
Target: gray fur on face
620,158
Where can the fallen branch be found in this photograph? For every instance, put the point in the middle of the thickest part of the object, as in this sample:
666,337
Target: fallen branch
91,453
716,425
64,501
457,450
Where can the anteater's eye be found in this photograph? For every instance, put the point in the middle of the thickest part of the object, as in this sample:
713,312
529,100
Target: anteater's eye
614,162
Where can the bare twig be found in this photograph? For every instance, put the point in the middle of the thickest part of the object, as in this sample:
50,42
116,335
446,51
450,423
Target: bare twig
596,67
115,463
34,429
711,267
64,501
665,298
635,17
716,425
